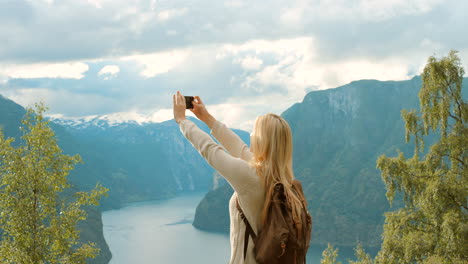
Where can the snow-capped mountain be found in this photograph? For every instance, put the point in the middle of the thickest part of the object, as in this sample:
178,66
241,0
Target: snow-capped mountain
110,120
144,159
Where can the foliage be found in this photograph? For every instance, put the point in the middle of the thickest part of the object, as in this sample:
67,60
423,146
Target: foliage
329,255
37,220
362,256
433,226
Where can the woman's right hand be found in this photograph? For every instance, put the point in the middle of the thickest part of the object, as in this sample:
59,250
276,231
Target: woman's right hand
201,113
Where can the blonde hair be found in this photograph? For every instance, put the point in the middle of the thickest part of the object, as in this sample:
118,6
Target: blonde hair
272,148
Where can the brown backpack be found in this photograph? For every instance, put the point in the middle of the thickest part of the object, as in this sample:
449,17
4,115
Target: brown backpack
281,240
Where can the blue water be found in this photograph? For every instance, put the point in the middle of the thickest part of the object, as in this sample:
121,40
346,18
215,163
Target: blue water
162,232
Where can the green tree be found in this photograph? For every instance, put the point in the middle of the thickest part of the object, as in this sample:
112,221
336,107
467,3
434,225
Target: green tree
362,256
432,227
38,212
329,255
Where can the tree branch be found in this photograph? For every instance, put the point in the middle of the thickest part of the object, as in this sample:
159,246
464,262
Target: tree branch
451,157
457,102
455,201
459,160
454,117
456,99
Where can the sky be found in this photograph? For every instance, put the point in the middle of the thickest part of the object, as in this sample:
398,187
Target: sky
126,58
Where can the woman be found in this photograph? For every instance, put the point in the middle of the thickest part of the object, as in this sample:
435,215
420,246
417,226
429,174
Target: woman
252,172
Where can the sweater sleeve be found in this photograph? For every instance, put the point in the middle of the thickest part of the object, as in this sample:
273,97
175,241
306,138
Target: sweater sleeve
236,171
231,141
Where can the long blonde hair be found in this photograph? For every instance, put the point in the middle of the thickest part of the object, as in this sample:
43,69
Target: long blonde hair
272,148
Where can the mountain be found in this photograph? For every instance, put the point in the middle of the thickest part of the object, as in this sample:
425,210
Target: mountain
140,161
338,135
10,117
91,228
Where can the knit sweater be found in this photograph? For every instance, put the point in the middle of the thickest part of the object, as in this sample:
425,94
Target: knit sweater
232,163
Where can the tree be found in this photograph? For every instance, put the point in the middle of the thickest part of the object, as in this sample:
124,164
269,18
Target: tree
362,256
38,211
432,227
329,255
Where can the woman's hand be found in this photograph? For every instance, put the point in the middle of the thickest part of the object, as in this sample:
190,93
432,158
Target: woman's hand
178,107
201,113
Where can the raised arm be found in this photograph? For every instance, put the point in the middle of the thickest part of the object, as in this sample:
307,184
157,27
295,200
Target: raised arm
235,170
230,140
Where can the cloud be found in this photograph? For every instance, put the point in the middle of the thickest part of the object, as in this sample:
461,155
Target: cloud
171,13
72,70
162,115
251,63
96,3
237,82
62,101
157,63
109,71
245,58
383,9
67,30
369,10
292,16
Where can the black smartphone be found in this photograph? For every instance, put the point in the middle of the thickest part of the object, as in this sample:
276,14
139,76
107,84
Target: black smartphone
188,102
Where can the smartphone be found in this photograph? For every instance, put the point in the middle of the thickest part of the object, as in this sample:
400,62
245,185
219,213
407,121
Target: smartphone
188,102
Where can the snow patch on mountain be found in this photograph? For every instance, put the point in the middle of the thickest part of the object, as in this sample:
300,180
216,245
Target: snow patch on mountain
110,120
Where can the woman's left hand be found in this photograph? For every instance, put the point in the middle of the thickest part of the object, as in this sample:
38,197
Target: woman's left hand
179,107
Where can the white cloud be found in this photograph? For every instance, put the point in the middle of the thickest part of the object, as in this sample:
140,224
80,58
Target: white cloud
384,9
27,97
109,71
234,3
72,70
463,54
279,74
250,63
297,70
163,115
153,5
292,16
158,63
299,66
241,113
122,27
280,46
61,101
370,10
341,73
96,3
171,13
244,57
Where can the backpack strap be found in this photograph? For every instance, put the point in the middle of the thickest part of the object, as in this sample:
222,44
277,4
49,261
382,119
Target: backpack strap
248,229
298,186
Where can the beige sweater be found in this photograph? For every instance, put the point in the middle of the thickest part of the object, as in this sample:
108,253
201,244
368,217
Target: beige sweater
243,179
